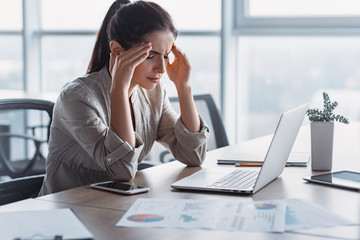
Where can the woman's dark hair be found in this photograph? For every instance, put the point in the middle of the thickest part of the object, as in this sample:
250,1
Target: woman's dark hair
127,23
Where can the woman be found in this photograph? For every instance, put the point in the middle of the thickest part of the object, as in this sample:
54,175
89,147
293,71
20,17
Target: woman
105,123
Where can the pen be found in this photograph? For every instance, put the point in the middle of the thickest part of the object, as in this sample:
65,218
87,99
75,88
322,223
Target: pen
40,237
254,165
56,237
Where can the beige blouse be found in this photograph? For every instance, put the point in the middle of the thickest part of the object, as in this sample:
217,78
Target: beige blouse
83,148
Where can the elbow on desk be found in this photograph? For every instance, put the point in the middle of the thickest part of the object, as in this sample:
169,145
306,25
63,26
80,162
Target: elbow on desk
199,155
194,161
124,176
122,173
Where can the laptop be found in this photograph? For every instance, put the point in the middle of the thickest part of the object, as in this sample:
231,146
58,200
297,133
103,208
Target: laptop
245,180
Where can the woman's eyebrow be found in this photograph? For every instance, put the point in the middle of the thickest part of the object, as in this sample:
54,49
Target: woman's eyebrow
158,53
155,52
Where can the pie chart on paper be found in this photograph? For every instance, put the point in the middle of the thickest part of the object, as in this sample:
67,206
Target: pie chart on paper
145,218
264,206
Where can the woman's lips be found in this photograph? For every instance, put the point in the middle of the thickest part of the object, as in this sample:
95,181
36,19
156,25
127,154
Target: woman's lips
154,80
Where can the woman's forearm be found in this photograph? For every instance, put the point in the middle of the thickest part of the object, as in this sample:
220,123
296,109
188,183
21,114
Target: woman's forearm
121,119
189,114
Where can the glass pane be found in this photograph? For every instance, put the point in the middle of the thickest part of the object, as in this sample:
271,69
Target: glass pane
10,15
298,8
194,15
11,64
80,14
52,11
282,72
65,58
204,55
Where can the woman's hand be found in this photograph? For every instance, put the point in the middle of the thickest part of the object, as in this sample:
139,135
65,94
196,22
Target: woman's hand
179,70
123,64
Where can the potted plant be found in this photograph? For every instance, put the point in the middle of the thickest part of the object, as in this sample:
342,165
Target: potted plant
322,133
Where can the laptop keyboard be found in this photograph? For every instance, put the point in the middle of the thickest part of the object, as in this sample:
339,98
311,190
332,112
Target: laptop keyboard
238,179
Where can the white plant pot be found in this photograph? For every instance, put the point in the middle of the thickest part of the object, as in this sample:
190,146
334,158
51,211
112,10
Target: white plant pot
322,135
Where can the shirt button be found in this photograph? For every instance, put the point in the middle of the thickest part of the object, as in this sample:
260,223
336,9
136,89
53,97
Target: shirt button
108,160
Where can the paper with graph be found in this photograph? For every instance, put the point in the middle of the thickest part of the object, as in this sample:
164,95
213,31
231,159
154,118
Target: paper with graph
266,216
259,216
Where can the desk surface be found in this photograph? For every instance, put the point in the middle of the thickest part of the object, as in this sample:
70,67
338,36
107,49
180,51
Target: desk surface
100,210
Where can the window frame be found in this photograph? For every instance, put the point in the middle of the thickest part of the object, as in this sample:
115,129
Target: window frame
319,25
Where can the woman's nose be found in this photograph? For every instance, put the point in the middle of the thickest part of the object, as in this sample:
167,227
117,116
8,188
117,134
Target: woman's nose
160,66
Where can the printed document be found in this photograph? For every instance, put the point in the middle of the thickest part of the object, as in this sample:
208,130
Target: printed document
42,224
266,216
260,216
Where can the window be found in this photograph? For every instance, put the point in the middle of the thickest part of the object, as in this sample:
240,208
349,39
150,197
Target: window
11,15
200,40
11,45
303,8
67,45
296,16
64,58
61,36
80,14
199,15
11,67
288,53
55,44
204,55
283,72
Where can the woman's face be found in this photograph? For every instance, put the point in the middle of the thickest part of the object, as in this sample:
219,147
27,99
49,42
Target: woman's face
148,73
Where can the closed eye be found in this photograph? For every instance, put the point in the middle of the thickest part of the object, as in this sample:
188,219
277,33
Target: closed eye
153,53
152,56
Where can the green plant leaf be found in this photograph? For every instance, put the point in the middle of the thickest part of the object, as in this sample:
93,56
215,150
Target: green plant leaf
327,113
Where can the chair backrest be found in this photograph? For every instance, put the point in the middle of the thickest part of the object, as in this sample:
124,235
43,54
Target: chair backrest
20,188
24,132
207,109
28,104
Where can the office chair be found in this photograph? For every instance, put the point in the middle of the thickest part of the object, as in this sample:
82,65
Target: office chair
207,109
20,188
24,133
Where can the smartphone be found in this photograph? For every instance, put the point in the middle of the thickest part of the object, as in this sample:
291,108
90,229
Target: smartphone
119,187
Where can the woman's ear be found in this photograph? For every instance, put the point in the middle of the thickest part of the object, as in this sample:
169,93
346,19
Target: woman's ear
115,48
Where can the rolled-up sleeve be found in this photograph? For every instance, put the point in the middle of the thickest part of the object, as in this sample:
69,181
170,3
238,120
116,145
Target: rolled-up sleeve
118,150
187,147
81,117
191,140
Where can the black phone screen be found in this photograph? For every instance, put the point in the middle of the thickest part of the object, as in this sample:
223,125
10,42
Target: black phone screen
119,186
